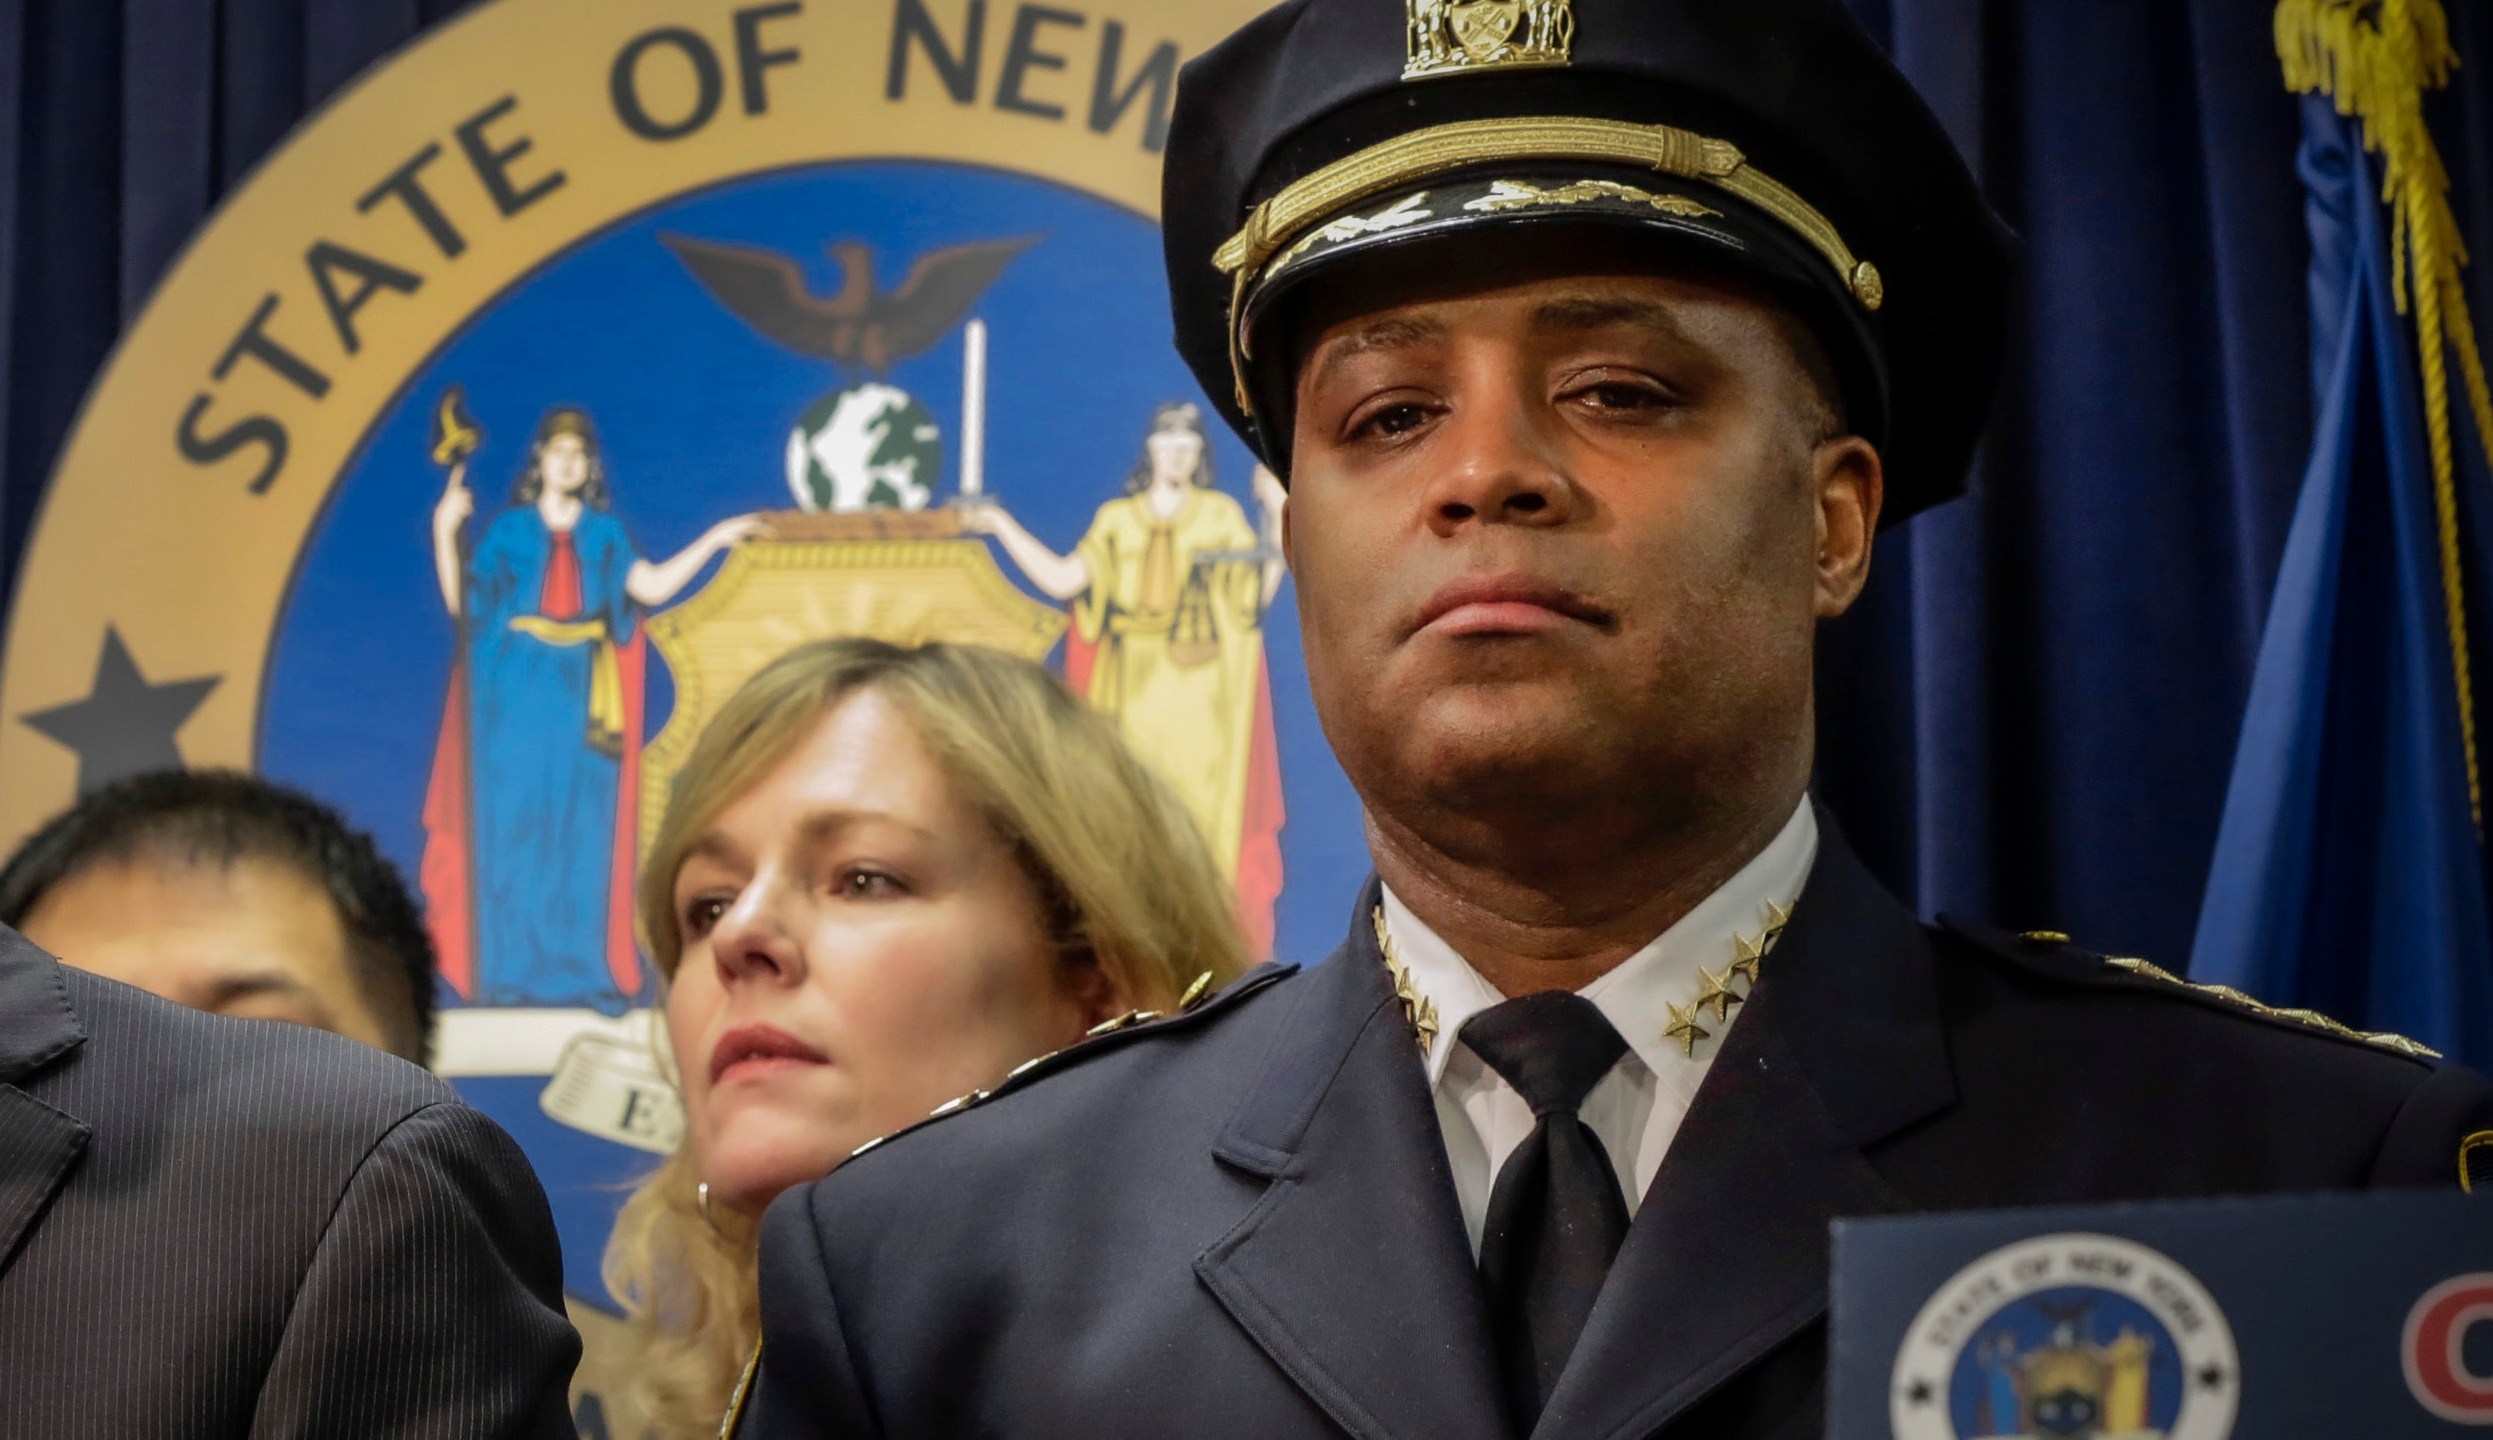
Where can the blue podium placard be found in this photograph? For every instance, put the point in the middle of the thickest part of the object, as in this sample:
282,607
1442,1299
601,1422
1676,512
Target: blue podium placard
2363,1316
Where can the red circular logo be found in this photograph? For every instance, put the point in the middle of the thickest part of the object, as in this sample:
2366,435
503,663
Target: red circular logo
2435,1350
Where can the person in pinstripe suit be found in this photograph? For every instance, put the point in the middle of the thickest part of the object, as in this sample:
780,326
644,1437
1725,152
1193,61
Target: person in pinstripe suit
214,1227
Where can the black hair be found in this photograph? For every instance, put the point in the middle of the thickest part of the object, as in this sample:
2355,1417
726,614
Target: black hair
215,818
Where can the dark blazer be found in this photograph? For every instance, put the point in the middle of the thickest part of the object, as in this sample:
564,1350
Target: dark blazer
214,1227
1240,1221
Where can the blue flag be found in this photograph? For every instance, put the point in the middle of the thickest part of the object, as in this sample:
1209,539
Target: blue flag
2348,875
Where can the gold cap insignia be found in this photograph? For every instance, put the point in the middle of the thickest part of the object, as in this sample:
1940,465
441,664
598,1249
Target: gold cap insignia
1453,37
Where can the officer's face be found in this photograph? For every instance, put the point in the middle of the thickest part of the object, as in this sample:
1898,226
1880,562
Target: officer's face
1562,540
859,946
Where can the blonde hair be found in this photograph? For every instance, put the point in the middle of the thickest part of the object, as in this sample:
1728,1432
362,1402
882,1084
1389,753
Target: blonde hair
1127,883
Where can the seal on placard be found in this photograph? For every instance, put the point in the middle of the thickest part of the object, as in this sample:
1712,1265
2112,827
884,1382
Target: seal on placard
2068,1337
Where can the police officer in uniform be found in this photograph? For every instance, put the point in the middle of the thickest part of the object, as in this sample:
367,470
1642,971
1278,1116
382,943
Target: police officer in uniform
1597,339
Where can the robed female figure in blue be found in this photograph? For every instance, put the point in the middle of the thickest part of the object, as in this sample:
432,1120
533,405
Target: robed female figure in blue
530,817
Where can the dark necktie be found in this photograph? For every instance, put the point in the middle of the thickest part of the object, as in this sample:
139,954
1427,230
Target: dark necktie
1556,1216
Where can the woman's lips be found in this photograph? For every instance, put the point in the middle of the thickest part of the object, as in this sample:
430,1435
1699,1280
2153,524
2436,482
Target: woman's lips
756,1049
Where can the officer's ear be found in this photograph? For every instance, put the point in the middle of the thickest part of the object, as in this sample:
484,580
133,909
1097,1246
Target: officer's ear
1849,483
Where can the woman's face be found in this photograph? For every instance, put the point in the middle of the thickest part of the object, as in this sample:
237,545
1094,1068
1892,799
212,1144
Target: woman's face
1174,454
564,462
859,946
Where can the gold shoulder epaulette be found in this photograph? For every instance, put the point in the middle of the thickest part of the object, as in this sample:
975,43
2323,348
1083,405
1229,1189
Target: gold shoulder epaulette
1197,995
2314,1019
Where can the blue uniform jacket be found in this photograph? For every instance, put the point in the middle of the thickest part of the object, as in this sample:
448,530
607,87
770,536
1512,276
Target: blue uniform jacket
1240,1221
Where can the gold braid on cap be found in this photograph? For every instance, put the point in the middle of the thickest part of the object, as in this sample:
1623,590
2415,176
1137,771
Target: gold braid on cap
1421,154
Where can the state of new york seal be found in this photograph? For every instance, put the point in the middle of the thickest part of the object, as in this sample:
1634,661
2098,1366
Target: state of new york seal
583,357
2067,1337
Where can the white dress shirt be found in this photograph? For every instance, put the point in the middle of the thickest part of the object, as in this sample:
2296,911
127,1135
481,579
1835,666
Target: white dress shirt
1636,1109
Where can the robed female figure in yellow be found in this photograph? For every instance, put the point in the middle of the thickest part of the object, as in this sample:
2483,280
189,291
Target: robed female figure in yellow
1168,589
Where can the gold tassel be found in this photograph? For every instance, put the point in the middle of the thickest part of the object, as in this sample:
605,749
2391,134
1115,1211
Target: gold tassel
2376,58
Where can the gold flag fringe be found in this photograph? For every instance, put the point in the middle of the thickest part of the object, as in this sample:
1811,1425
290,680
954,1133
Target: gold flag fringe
2376,58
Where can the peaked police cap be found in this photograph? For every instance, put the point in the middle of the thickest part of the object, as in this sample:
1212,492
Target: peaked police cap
1768,138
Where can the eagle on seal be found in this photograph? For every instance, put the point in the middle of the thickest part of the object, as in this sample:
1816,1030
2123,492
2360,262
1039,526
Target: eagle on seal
858,326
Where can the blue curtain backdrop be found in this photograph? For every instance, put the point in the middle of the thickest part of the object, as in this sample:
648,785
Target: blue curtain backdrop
122,124
2033,714
2346,876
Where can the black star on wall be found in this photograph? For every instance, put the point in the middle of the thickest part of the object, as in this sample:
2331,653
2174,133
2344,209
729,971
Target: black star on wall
125,726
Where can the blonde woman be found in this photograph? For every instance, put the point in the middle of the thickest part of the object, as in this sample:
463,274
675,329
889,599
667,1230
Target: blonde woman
886,877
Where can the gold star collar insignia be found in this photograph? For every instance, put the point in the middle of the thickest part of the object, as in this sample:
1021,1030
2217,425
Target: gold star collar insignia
1420,1012
1684,1027
1752,953
1719,994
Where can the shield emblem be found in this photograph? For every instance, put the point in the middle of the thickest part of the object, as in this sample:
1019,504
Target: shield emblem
893,575
1484,27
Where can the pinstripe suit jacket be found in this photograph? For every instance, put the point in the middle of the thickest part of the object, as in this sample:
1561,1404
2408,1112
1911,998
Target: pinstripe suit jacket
214,1227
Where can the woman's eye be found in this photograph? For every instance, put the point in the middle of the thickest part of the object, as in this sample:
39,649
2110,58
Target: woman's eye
703,914
860,883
